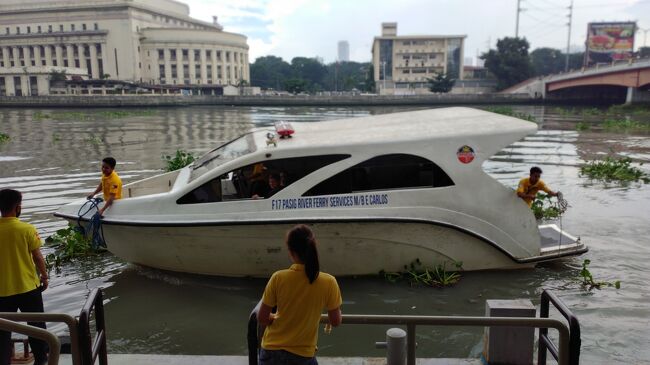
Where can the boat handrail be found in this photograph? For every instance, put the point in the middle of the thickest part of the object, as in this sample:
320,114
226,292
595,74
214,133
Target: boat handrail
569,337
52,341
574,329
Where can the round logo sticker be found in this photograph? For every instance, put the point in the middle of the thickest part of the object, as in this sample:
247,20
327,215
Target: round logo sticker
465,154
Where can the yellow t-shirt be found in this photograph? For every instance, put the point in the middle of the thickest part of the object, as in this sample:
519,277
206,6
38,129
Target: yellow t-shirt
111,184
526,188
300,304
17,269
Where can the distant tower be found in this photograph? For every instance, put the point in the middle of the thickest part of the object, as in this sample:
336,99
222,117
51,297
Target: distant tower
344,51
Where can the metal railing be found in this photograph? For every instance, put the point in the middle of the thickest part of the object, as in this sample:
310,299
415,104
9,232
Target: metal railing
92,349
574,328
569,338
84,350
52,341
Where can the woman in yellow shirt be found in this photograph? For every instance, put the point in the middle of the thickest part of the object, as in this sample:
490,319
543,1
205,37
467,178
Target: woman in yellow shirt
300,293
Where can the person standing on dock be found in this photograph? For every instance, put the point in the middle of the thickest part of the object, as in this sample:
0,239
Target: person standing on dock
110,185
300,293
529,186
20,286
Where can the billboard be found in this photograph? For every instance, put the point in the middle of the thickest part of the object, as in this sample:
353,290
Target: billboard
608,42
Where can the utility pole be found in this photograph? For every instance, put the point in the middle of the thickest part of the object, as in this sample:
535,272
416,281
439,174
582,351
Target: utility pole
568,42
517,22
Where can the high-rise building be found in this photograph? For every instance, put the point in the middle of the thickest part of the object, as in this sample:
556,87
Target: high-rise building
142,41
403,64
344,51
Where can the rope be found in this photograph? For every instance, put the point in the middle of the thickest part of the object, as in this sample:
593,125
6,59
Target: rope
94,229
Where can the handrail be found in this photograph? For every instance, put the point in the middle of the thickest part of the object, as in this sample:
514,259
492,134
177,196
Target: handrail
52,341
70,321
412,321
91,350
574,327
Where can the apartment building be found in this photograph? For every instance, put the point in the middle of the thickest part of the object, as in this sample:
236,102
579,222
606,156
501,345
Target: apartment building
403,64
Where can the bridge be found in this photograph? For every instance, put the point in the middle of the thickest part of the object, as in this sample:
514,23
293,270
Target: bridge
623,81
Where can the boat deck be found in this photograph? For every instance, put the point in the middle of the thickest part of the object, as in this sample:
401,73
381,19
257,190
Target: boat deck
554,240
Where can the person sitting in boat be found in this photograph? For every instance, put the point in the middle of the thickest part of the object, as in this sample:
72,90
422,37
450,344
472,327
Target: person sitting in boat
275,185
300,294
258,181
110,185
529,186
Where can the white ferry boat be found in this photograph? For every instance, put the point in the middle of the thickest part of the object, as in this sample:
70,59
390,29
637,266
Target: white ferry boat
379,192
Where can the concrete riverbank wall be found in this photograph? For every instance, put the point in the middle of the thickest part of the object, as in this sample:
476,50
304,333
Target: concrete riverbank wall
148,100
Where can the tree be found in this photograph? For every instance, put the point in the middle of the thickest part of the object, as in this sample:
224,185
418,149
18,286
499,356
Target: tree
270,72
509,63
295,85
547,61
309,70
441,83
57,75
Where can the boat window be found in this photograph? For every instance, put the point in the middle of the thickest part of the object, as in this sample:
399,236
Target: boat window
226,152
387,172
259,180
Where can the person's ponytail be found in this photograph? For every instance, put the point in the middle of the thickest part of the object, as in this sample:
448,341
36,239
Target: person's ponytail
301,241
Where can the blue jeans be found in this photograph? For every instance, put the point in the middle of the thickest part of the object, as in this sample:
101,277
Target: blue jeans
281,357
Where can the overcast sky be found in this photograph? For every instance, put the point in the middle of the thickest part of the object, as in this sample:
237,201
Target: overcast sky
291,28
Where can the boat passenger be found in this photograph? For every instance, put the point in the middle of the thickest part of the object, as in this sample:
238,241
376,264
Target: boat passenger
110,185
300,293
20,286
258,183
529,186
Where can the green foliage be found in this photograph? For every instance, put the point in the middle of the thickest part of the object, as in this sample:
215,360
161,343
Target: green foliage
546,61
509,63
295,85
506,110
179,160
626,124
118,114
94,140
441,83
57,75
104,114
4,137
582,126
612,169
68,244
417,274
588,281
545,207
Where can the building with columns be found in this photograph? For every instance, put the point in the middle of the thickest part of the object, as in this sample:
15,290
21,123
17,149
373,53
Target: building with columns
152,42
403,64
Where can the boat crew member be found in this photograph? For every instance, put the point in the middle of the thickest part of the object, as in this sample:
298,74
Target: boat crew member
275,185
300,293
110,185
259,185
529,186
20,284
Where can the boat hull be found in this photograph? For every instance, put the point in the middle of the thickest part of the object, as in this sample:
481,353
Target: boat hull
345,248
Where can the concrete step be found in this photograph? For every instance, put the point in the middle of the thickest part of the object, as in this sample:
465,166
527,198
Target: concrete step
150,359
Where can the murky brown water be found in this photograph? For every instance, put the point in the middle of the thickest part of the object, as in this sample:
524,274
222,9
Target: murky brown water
54,161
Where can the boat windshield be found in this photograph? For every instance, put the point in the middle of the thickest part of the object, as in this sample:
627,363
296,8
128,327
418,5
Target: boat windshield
224,153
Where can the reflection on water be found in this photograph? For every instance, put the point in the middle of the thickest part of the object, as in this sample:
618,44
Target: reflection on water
148,311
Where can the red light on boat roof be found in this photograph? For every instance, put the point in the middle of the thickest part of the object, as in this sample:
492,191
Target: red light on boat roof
284,129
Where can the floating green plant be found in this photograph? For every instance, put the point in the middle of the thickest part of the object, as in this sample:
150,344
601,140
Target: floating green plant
588,282
181,159
582,126
112,114
506,110
94,140
4,137
104,114
626,124
69,244
545,207
417,274
612,169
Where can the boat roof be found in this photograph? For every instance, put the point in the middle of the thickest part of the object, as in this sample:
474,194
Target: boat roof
406,127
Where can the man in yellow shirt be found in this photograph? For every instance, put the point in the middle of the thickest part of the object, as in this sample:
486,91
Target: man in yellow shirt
529,186
20,286
110,186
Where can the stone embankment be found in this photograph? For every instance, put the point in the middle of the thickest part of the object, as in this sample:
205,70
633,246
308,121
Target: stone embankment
148,100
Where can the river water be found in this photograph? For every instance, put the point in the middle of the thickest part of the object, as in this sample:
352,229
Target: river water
53,157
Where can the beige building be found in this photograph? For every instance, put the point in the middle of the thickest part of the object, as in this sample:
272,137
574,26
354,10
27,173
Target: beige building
403,64
144,41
